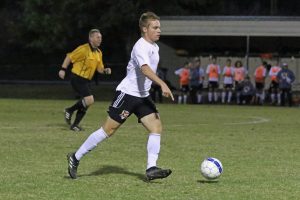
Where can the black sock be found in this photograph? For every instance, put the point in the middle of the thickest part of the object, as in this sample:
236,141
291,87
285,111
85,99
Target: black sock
77,106
79,115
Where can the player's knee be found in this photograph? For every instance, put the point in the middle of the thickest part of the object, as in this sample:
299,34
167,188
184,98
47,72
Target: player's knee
157,128
109,130
89,100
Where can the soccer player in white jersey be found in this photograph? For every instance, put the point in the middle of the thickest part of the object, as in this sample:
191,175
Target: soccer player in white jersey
228,74
132,96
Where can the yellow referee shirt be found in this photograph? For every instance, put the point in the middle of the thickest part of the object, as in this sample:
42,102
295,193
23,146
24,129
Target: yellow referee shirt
86,60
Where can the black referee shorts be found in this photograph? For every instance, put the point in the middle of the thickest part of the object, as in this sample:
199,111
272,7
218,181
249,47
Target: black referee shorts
81,85
123,105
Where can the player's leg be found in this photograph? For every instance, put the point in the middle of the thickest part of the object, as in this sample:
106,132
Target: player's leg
107,130
278,95
215,90
82,87
68,112
109,127
229,94
199,94
263,94
116,117
290,97
224,91
86,102
210,90
282,97
185,93
180,95
153,124
272,95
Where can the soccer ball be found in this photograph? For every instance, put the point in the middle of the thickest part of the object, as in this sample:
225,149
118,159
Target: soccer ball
211,168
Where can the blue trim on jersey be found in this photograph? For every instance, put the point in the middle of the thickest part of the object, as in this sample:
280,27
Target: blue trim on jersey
216,163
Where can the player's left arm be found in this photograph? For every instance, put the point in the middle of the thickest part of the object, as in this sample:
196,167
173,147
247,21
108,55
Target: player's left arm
147,71
106,70
101,69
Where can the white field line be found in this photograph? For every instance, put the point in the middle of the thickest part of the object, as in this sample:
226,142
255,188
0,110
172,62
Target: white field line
253,120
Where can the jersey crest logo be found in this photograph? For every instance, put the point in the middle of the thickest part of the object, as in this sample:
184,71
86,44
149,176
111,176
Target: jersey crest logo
124,114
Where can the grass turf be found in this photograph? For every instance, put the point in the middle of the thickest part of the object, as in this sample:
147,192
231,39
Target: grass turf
258,147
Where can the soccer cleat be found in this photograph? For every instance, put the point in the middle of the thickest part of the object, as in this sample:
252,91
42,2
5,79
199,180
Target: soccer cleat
76,128
72,165
156,173
68,116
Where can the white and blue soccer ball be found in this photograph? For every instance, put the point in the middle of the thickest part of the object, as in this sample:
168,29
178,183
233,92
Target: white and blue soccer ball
211,168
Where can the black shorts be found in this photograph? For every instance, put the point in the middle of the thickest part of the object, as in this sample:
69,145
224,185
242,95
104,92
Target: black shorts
184,88
197,88
274,85
228,86
200,87
123,105
81,85
259,86
213,84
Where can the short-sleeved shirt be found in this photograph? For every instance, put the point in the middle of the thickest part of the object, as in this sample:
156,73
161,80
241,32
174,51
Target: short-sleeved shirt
184,76
240,73
136,83
86,60
228,73
273,73
260,74
213,71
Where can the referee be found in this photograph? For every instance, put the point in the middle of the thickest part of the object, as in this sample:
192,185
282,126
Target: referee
86,59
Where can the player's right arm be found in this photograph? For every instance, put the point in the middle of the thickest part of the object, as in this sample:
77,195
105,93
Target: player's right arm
64,66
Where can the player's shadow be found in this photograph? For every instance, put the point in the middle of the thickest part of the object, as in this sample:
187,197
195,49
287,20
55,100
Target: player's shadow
108,169
208,181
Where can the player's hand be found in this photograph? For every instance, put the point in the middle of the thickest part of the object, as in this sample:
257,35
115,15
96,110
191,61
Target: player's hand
166,92
62,74
107,71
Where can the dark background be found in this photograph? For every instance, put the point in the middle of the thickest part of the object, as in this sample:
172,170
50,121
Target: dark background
36,35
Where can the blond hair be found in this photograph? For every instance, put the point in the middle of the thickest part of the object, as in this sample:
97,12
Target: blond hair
145,18
92,31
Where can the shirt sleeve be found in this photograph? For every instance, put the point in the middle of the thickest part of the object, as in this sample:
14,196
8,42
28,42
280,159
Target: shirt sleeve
141,57
207,69
78,54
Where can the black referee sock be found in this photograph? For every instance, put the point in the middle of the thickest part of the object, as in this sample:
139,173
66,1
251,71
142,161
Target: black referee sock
77,106
79,115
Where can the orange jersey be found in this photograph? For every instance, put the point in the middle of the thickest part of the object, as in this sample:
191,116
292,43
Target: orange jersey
260,74
228,71
273,73
184,76
213,72
239,74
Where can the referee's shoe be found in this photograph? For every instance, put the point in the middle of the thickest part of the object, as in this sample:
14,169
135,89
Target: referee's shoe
68,116
156,173
72,165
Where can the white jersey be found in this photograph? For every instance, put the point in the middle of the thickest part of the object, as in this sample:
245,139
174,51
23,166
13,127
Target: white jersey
136,83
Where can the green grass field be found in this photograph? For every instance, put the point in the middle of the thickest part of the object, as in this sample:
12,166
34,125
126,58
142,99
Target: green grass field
258,146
